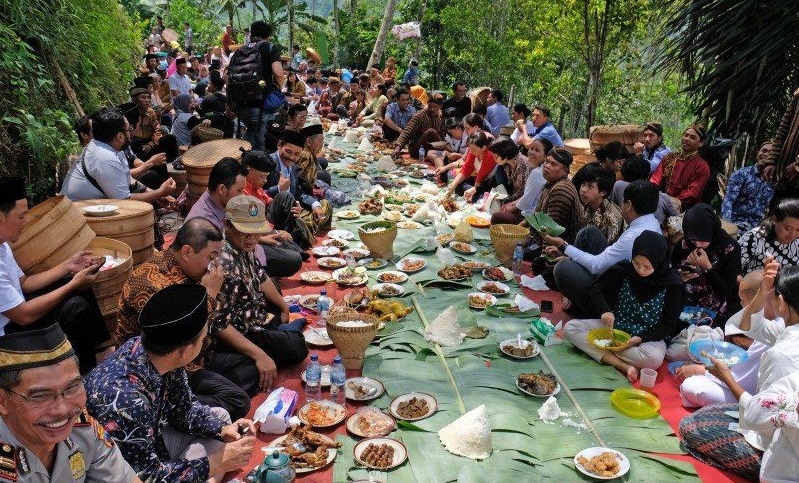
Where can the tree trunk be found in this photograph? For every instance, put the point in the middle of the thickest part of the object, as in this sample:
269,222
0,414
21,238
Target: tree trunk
290,7
380,43
336,31
418,52
353,5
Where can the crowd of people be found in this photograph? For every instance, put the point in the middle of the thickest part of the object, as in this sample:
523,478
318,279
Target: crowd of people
203,325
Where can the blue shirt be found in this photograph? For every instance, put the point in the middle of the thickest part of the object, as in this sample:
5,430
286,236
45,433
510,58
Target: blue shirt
411,76
621,250
399,116
497,116
747,198
532,191
548,132
107,166
180,83
133,403
654,158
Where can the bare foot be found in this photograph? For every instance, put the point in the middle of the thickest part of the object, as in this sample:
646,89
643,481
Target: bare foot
632,374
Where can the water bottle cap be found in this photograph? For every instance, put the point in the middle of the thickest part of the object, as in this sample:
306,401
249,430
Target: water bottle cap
314,357
323,292
337,359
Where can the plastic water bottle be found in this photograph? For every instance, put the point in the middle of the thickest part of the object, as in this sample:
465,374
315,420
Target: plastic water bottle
323,307
518,256
338,375
313,380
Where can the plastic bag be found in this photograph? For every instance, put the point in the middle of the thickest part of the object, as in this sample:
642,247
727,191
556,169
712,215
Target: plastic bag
410,30
463,232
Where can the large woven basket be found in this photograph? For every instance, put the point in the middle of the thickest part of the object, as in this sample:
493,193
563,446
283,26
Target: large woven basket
207,133
351,342
381,243
504,238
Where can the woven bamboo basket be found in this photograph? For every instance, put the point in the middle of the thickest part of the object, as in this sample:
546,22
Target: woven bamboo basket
627,134
55,230
380,244
200,159
109,282
351,342
479,95
132,224
207,133
504,238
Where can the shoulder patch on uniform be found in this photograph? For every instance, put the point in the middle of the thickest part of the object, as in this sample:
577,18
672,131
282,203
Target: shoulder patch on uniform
102,434
84,419
8,461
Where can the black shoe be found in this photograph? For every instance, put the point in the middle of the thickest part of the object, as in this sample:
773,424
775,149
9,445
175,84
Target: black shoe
305,255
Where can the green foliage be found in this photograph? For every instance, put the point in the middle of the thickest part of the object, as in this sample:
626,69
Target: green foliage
206,27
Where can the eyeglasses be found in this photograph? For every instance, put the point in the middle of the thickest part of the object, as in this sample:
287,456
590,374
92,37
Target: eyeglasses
46,399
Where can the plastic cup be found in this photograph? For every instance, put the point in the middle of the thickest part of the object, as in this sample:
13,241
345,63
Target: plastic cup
648,378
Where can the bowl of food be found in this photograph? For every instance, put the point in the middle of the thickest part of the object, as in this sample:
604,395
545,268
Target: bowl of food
478,221
380,453
512,348
601,463
388,289
480,301
493,288
363,389
411,264
392,277
602,338
730,354
322,413
455,272
413,406
540,384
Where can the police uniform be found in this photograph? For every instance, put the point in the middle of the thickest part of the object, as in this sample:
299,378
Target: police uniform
86,455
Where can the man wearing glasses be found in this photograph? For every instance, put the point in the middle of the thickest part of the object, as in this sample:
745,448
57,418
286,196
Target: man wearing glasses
45,433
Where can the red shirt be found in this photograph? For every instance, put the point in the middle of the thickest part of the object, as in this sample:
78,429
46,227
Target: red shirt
688,178
257,192
486,167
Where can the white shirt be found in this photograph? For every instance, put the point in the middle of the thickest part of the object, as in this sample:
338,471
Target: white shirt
532,191
621,250
774,411
516,135
10,290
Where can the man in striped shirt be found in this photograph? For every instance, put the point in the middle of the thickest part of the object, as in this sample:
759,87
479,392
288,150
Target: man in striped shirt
424,127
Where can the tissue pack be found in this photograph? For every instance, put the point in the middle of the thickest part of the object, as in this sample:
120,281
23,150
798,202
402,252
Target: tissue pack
546,333
275,412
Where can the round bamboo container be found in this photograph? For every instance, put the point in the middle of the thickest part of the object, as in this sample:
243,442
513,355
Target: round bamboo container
109,282
132,224
479,95
578,146
179,175
199,160
627,134
55,230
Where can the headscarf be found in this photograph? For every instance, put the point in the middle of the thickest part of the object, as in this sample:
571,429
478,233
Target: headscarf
182,103
701,223
655,248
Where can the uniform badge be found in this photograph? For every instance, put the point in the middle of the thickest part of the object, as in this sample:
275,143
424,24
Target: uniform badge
22,462
8,464
77,465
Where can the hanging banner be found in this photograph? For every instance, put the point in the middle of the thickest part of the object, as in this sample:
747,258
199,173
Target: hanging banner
410,30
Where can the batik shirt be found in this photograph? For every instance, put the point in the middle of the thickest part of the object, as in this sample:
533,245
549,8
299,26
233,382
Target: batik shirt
760,242
607,218
134,403
747,198
240,302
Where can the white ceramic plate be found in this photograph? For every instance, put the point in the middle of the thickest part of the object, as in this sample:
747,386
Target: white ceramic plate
392,215
333,410
431,403
335,242
317,337
367,262
505,289
439,144
350,279
365,382
476,265
325,251
356,253
343,234
309,301
507,275
331,262
400,452
331,455
588,453
490,300
325,381
353,423
392,276
315,277
393,289
515,343
461,247
100,210
348,215
557,390
401,264
409,225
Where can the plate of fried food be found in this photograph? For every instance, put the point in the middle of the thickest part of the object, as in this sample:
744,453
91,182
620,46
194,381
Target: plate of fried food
331,262
318,450
369,422
322,413
363,389
392,215
392,276
348,276
356,253
601,463
373,263
493,288
388,310
380,453
455,272
335,242
413,406
498,274
519,348
538,384
478,221
411,264
315,277
409,225
480,301
444,238
348,215
449,204
476,266
388,289
370,206
464,248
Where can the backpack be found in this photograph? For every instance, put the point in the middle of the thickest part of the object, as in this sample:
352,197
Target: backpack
245,76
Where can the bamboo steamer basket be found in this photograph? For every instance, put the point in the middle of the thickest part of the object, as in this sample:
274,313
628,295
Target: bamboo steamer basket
627,134
351,342
55,230
381,243
132,224
504,238
109,282
199,160
179,175
578,146
479,95
208,133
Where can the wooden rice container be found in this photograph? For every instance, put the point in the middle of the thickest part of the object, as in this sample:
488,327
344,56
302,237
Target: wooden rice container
199,160
627,134
132,224
55,230
351,342
109,282
504,238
